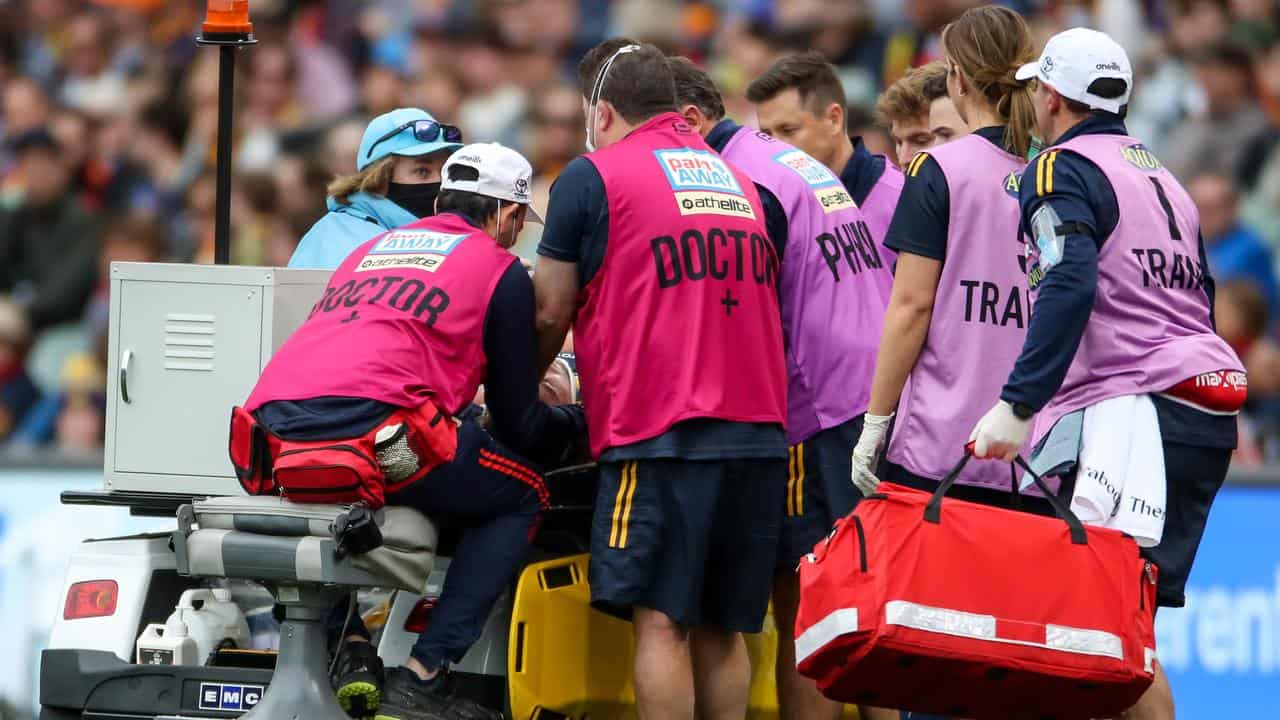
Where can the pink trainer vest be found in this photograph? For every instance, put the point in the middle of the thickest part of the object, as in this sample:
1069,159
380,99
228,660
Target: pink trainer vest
401,321
1150,327
833,284
979,320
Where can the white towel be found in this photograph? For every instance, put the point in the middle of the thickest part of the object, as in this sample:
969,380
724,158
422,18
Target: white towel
1121,480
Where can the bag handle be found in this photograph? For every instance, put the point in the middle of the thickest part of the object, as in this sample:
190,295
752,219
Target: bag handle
933,511
1013,487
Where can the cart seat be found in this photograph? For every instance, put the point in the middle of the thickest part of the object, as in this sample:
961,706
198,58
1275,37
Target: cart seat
290,548
271,539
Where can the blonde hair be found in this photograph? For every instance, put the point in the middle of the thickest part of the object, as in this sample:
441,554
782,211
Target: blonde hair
988,44
908,98
374,179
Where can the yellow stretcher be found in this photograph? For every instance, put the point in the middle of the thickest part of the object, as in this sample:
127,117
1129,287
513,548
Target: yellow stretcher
566,661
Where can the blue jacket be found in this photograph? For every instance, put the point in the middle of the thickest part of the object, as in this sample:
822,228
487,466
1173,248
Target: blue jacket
346,227
1241,253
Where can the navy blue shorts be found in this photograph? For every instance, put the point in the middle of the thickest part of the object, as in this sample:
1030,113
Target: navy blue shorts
819,489
694,540
1193,475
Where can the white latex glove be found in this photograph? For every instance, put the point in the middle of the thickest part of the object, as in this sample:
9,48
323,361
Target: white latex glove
999,434
865,453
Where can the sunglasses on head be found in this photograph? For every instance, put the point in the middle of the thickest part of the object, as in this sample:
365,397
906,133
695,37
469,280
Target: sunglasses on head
423,131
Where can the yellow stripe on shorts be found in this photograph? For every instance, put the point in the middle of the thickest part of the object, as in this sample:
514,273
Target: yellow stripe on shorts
618,502
799,479
626,512
791,480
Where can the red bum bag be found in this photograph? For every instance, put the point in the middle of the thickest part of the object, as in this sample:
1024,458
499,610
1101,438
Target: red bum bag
415,441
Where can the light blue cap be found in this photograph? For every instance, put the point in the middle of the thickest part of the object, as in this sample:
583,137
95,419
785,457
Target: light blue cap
402,143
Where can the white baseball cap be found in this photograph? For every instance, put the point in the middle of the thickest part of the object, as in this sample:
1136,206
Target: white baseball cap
1073,59
504,174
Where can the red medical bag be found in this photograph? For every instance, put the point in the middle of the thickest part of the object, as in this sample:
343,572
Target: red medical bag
338,471
973,611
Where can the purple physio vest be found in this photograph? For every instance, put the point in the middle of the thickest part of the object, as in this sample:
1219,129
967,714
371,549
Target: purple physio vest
878,209
833,285
1150,327
980,315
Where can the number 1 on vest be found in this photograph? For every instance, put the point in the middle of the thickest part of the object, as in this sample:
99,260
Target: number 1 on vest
1174,232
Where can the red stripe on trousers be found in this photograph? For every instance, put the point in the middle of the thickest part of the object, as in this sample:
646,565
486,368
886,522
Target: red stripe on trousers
509,463
531,477
538,488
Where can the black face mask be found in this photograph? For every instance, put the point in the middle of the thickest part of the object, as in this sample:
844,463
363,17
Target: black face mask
417,198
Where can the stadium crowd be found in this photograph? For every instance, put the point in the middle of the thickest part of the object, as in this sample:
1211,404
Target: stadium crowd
109,108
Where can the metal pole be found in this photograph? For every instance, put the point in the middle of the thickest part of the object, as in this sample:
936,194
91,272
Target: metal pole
222,209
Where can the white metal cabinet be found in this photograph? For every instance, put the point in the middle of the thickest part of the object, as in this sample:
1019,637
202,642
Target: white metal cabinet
187,343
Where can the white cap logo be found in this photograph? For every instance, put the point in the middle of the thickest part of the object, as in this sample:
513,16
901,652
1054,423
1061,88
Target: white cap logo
503,173
1073,60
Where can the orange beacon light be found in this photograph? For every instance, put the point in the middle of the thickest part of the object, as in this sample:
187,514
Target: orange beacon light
226,19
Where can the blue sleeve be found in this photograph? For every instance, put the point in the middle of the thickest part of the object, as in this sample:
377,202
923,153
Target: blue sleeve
521,421
1080,192
1063,304
1077,191
307,253
331,239
919,224
577,221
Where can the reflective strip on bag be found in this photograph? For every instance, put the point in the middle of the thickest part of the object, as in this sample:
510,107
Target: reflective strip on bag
840,622
1079,641
940,620
1083,642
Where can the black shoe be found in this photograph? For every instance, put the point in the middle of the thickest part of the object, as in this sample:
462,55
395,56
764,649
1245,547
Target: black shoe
358,678
405,697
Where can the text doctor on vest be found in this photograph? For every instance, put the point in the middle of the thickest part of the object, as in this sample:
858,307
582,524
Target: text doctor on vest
413,321
655,250
1122,316
397,180
832,314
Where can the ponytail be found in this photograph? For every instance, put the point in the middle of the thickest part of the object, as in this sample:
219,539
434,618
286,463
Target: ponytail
988,44
1021,113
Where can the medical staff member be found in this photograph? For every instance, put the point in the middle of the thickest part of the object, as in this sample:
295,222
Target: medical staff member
959,309
655,250
1123,303
397,181
412,322
800,101
919,112
832,310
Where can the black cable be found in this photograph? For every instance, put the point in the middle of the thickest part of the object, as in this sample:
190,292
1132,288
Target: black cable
342,638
